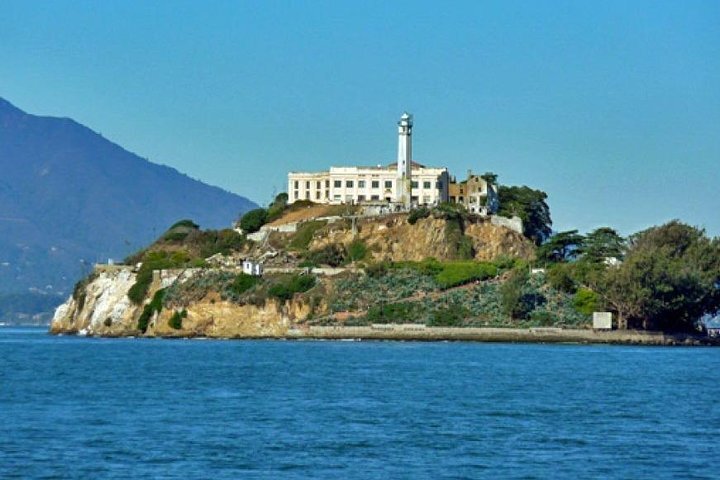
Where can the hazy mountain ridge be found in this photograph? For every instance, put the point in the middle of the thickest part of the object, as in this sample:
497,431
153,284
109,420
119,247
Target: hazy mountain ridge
69,197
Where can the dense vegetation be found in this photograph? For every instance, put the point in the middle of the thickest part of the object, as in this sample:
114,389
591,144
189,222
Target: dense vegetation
531,206
663,278
417,292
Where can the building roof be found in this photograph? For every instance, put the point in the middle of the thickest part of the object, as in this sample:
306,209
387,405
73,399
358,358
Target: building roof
414,164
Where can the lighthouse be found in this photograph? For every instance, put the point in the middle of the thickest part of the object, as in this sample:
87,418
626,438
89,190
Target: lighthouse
404,160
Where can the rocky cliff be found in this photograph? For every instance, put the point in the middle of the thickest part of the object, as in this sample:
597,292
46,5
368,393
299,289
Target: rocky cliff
102,308
393,239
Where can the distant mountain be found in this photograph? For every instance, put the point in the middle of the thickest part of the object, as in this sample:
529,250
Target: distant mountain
69,198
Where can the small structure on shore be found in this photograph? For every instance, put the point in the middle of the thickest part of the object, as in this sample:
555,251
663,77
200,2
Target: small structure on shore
712,327
602,321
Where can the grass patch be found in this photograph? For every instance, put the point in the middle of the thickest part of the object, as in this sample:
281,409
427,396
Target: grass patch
286,289
304,235
243,282
460,273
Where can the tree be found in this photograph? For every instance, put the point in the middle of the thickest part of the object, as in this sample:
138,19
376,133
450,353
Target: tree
277,206
253,220
670,278
561,247
603,243
490,177
531,207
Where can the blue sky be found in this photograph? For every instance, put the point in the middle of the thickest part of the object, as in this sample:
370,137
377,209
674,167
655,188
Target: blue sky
612,108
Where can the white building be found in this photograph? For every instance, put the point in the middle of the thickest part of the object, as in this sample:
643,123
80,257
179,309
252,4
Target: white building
403,182
252,268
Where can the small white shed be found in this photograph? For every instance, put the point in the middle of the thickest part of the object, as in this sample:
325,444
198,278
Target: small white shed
252,268
602,320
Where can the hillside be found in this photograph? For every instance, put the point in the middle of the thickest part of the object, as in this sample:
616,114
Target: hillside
321,271
70,198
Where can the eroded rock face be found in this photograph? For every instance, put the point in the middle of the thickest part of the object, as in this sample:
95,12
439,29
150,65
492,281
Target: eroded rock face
493,241
394,239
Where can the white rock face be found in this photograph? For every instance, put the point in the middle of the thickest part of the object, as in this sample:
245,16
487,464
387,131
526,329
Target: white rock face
105,298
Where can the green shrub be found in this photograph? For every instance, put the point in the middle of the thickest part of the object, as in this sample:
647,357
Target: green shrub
401,312
277,207
357,250
560,277
586,301
253,220
285,289
460,273
376,270
452,315
511,293
416,214
304,235
333,255
243,282
429,266
185,223
155,306
543,318
176,319
139,289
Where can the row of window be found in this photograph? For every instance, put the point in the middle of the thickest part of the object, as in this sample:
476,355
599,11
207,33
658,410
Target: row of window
360,198
362,184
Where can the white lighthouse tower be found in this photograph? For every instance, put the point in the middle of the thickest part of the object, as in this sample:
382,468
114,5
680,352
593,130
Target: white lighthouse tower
404,160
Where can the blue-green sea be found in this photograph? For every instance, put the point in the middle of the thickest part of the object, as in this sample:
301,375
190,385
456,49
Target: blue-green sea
134,408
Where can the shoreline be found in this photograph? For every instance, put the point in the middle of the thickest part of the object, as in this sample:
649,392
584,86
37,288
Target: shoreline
442,334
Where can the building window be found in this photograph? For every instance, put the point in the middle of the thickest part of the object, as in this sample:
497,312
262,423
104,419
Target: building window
413,184
307,195
337,183
388,183
317,195
295,194
361,183
375,184
426,199
327,193
361,198
307,185
426,185
318,184
375,197
336,198
296,184
349,183
327,183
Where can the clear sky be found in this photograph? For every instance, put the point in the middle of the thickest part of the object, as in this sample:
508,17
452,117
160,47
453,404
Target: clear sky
611,107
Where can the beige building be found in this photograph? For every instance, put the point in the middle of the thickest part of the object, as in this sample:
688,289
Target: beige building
369,184
403,182
476,194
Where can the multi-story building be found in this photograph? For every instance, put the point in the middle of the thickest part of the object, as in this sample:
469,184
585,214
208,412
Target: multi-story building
403,182
478,195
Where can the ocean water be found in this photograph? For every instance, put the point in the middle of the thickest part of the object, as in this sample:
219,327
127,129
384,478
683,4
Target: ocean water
135,408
